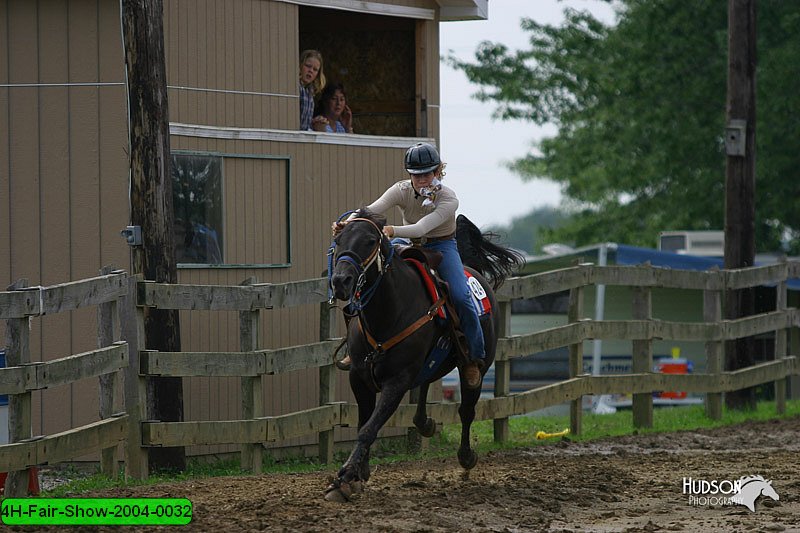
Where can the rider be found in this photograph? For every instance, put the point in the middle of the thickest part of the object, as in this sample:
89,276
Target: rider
428,209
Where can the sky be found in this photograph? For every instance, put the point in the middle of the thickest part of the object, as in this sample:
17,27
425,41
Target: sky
474,146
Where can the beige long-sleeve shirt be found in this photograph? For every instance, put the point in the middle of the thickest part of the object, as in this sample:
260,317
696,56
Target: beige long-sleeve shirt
435,220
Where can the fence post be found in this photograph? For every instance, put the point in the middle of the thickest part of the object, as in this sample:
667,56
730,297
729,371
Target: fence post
781,304
574,314
712,313
502,372
327,378
252,395
136,465
18,353
642,358
107,334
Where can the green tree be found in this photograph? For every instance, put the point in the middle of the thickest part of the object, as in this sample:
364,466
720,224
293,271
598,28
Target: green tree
640,111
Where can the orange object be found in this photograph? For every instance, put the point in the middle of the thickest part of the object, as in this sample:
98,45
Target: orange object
33,481
673,366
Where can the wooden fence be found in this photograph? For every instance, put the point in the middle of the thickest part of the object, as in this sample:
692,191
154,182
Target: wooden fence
251,299
21,375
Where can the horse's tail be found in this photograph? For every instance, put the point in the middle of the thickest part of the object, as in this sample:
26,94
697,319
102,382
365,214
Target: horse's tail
477,250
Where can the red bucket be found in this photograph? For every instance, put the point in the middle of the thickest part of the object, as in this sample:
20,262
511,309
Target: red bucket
673,366
33,481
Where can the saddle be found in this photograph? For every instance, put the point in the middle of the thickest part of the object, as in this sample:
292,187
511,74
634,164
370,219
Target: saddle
425,256
426,261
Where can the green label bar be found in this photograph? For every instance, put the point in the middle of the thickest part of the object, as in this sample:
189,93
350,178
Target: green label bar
96,511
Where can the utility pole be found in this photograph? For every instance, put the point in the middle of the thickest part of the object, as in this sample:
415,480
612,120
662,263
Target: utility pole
151,201
740,144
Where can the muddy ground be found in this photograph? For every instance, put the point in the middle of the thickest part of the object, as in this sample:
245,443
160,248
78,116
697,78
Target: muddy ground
632,483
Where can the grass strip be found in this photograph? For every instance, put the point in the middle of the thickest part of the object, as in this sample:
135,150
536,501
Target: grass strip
522,431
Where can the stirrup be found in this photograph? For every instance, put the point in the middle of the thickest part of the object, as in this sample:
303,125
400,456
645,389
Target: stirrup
344,363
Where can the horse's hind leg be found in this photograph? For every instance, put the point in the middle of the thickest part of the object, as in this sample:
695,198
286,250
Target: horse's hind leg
467,458
426,426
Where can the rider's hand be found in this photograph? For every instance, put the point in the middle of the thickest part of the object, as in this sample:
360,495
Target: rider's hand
388,231
337,227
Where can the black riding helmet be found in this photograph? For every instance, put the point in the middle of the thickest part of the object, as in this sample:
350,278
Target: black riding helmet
422,158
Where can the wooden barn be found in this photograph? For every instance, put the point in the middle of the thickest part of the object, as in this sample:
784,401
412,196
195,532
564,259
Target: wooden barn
254,196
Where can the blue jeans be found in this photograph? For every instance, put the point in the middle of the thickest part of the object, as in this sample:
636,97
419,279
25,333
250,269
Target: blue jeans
451,270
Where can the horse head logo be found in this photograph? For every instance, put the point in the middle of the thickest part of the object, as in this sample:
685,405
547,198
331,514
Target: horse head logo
751,488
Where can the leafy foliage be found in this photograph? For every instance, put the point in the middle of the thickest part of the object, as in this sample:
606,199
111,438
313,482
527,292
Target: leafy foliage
640,111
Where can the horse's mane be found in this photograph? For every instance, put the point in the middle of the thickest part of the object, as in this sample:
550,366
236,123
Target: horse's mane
378,219
749,479
478,251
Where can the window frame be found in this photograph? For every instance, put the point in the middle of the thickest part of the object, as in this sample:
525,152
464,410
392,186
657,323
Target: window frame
223,156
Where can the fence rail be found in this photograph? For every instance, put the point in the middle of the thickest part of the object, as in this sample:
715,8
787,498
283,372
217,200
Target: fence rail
112,358
22,376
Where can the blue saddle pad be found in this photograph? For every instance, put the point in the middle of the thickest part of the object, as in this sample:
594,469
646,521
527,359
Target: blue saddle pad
434,360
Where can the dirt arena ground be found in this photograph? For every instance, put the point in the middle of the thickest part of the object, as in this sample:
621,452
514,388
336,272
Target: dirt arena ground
632,483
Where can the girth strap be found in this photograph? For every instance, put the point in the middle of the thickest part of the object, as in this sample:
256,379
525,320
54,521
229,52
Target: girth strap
421,321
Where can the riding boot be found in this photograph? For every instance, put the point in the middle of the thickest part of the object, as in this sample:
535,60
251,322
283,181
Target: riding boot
344,363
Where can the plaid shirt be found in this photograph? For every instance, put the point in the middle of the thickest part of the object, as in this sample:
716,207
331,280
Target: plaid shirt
306,107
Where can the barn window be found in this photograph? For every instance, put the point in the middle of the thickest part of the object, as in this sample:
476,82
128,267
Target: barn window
241,221
375,59
197,207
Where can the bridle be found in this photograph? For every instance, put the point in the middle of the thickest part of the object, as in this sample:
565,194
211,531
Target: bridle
361,297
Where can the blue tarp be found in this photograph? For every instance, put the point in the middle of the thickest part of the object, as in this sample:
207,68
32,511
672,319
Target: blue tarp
633,255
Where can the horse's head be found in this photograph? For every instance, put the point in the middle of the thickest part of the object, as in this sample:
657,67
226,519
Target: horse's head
751,488
359,246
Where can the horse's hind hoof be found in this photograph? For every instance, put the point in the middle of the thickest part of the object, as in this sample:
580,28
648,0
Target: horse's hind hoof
428,429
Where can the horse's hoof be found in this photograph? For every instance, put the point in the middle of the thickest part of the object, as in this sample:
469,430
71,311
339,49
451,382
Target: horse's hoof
468,460
335,496
340,491
428,428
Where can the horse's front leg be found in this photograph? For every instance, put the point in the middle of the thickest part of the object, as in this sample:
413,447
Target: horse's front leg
426,426
358,462
365,398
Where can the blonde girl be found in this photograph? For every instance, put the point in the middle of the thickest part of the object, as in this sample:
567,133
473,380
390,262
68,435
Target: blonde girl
311,83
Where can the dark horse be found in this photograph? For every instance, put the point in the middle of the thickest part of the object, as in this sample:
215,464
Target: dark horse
387,298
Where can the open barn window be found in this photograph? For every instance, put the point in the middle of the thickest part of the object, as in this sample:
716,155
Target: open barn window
374,57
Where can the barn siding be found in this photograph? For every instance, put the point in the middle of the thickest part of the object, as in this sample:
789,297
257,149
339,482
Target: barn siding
232,63
64,175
